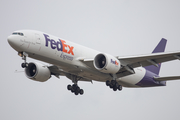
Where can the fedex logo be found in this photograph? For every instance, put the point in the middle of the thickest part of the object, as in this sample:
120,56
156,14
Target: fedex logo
114,62
59,45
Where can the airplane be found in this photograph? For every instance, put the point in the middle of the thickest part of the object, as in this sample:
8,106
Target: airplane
80,63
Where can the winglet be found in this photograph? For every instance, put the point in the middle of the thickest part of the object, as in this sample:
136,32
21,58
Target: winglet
159,48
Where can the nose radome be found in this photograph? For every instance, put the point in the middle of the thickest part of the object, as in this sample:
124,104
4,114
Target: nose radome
10,40
13,42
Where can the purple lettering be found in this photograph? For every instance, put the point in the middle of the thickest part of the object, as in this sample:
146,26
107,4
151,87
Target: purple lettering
53,44
59,45
47,39
112,61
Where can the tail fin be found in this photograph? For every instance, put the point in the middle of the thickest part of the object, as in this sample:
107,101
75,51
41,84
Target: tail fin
159,48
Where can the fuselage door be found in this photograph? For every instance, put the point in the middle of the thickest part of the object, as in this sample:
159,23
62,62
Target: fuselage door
37,42
38,39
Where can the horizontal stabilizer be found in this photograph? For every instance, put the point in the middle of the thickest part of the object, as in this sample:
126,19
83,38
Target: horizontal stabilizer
167,78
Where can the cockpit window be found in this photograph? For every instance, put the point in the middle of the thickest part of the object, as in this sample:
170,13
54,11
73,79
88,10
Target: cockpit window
18,33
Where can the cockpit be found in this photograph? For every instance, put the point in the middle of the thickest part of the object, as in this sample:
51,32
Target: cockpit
18,33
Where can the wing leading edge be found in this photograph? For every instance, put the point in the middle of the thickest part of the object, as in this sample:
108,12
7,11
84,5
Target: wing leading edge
158,56
151,59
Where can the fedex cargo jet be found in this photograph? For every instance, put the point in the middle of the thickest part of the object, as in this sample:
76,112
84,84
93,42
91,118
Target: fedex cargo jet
80,63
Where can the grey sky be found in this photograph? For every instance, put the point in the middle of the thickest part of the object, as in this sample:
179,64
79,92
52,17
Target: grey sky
118,27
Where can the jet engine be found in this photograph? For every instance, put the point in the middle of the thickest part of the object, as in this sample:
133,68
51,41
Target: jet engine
106,63
37,72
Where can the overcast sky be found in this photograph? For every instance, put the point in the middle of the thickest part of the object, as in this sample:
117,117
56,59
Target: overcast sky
117,27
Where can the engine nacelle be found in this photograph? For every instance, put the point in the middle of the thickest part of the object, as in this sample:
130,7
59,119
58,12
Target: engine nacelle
37,72
106,63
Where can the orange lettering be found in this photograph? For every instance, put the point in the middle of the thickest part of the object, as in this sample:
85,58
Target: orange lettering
64,45
70,50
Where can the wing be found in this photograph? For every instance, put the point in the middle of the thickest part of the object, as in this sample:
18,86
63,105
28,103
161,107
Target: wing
128,63
146,60
56,71
88,63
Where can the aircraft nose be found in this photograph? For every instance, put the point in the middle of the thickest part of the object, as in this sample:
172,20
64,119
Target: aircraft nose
10,40
13,42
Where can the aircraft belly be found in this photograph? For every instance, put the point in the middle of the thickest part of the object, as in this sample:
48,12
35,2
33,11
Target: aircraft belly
75,68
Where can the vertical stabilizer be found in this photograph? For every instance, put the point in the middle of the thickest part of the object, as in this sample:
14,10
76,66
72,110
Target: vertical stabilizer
159,48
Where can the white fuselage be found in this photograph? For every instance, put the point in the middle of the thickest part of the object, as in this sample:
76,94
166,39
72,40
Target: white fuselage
67,55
